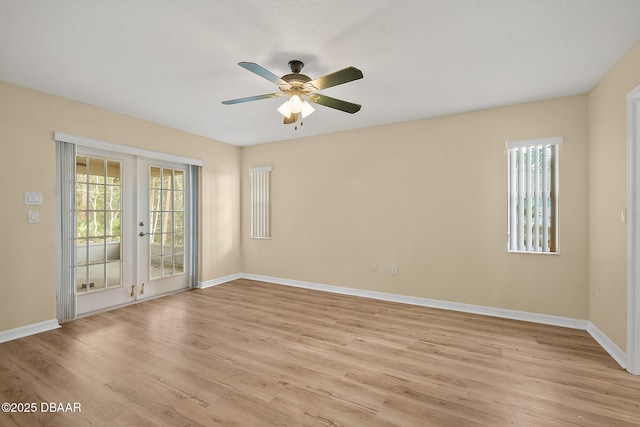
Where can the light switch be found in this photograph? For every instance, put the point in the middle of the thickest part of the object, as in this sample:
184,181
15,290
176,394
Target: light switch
32,199
34,216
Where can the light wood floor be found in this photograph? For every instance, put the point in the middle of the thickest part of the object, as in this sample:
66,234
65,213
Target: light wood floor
255,354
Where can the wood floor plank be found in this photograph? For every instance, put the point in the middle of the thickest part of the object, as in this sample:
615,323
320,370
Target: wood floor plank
249,353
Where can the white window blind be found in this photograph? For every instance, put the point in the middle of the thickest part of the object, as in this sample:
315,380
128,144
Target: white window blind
260,221
533,195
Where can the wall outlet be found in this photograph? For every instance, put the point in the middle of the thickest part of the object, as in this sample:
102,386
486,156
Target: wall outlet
374,267
394,269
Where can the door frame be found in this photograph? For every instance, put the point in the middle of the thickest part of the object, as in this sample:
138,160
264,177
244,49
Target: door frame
633,228
137,152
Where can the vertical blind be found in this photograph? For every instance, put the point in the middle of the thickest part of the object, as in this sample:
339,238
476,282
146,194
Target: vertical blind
260,221
65,231
533,195
194,200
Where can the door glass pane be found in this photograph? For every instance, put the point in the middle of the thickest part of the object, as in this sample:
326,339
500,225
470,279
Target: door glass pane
155,271
81,196
155,240
166,202
154,199
81,278
179,242
168,265
155,223
167,222
167,178
178,179
96,251
113,249
81,169
179,264
178,200
178,222
112,225
97,276
113,172
112,198
167,243
154,177
98,223
114,274
96,170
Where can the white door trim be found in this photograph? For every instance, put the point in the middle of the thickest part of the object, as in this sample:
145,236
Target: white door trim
633,227
125,149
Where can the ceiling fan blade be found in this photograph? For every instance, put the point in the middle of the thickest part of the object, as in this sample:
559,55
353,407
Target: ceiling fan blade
338,104
262,72
252,98
292,119
345,75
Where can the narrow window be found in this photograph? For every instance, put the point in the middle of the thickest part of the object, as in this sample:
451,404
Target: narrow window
260,221
533,195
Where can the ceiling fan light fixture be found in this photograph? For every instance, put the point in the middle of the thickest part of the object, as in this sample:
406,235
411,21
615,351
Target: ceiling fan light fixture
306,109
285,110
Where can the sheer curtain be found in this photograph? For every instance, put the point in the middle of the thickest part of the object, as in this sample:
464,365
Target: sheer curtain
65,171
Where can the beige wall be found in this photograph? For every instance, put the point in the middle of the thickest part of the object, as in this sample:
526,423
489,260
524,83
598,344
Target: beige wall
430,197
27,121
607,196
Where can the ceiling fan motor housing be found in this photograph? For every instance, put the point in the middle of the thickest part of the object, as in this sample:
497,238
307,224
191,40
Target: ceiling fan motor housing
296,65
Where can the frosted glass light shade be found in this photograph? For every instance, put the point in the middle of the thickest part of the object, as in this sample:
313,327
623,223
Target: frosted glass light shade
284,110
306,109
295,104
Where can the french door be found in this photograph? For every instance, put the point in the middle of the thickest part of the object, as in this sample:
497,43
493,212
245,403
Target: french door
132,229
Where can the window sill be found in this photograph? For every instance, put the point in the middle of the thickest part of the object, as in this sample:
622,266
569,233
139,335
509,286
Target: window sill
533,253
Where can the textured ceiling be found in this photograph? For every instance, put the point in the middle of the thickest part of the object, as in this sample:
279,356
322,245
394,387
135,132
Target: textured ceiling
173,62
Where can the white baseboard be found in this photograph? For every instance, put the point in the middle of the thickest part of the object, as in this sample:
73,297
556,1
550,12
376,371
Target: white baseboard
25,331
609,346
219,281
546,319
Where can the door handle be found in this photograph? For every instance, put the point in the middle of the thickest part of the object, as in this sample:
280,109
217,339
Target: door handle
142,234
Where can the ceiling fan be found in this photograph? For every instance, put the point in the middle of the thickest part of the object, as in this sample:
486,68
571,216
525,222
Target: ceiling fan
301,88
